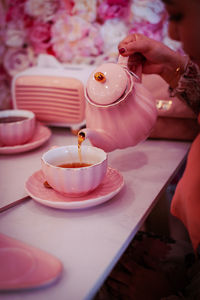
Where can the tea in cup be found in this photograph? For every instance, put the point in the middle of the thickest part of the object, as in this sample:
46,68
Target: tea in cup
66,174
17,126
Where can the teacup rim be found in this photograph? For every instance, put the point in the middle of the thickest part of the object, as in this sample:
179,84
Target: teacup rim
74,146
17,112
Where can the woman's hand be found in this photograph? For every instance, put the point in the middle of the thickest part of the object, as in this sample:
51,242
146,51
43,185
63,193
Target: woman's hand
156,58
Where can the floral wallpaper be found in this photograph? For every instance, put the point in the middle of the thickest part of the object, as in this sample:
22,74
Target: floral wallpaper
74,31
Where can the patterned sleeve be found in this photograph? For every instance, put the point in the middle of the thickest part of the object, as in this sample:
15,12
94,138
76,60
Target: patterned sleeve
188,88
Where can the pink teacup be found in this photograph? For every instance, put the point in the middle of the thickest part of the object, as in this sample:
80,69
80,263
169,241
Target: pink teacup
72,179
16,126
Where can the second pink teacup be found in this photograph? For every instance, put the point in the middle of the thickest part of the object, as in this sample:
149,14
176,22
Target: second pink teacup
16,126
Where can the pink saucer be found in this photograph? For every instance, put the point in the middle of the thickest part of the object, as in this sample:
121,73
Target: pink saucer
23,266
110,186
41,135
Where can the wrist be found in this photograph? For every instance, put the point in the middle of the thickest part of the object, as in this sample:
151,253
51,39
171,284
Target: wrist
174,69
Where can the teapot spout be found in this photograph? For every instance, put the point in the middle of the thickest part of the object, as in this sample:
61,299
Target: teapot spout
99,138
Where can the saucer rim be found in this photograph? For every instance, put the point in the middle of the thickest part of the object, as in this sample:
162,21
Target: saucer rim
80,204
30,144
36,254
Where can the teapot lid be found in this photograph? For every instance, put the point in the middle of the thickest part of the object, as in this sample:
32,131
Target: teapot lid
107,84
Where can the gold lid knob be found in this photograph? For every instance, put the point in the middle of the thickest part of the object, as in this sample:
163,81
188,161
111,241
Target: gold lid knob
99,76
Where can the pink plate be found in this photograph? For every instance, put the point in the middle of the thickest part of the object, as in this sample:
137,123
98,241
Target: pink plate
41,135
110,186
23,266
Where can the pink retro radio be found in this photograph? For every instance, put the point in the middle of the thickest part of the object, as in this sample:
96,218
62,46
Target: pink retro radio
53,91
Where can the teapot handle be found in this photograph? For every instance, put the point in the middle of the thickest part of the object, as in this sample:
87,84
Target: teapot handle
123,61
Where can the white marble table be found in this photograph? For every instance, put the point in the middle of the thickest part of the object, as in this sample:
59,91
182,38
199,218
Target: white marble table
88,242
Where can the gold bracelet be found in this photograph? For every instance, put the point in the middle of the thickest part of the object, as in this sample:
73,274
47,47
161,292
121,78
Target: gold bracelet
176,78
178,71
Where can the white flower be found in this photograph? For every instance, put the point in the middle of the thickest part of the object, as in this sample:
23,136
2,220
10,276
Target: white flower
148,10
85,9
43,9
63,51
18,59
14,37
113,32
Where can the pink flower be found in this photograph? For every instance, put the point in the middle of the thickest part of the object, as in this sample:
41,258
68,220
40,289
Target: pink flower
63,51
15,11
40,36
74,37
2,46
3,74
92,45
153,31
85,9
112,9
5,97
16,60
82,8
118,2
2,15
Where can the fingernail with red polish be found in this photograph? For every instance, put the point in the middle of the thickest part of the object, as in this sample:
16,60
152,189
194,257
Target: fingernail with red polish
122,50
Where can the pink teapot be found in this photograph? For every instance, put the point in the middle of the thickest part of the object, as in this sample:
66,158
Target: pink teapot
120,111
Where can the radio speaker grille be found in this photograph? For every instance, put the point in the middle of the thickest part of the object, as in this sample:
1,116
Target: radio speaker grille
54,100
